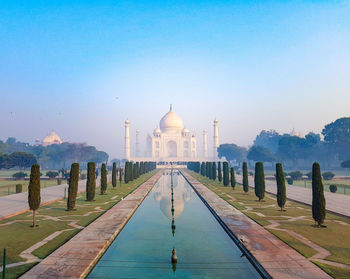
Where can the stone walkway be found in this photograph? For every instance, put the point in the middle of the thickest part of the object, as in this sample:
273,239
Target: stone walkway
78,256
336,203
276,257
18,203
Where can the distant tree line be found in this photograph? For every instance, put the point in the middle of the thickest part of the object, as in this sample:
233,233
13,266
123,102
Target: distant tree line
20,160
333,151
14,153
134,170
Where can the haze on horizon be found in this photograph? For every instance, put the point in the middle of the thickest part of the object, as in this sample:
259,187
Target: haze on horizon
83,67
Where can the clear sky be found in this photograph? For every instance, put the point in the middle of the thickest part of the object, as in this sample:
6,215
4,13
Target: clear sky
83,67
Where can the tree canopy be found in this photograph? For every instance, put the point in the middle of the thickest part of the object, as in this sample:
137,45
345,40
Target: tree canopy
52,156
260,153
232,152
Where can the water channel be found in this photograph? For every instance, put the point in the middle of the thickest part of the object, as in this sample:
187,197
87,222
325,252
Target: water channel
173,216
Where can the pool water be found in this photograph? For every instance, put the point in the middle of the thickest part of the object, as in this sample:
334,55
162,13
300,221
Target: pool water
173,216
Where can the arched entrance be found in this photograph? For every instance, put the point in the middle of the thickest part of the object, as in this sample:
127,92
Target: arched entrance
172,148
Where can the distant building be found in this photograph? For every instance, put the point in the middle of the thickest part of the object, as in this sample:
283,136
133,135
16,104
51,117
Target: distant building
294,133
53,138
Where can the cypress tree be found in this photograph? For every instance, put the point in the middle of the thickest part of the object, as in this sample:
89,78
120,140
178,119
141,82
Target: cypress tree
137,169
318,200
34,197
226,173
134,171
210,170
203,169
219,172
245,181
259,180
73,186
214,171
207,169
126,172
91,181
141,168
131,171
281,186
114,175
233,178
103,179
120,176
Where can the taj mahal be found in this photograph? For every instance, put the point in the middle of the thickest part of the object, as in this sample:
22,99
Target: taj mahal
171,141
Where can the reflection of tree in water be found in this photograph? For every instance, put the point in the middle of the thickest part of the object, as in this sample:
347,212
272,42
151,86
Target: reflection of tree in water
162,193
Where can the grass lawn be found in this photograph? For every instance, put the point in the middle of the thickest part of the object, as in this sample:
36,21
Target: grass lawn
8,187
342,185
335,238
17,235
9,173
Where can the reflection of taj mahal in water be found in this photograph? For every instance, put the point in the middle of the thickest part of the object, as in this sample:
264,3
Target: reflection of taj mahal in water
171,141
181,195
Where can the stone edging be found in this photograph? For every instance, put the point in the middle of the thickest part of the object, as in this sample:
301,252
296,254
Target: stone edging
77,257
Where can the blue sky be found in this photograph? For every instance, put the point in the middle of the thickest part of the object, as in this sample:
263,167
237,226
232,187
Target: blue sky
83,67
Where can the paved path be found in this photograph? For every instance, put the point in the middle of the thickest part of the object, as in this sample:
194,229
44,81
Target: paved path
276,257
18,203
336,203
78,256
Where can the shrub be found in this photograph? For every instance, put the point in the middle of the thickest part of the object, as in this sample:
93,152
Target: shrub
34,190
91,181
83,176
290,180
245,181
52,174
59,181
318,200
226,173
19,188
328,175
333,188
73,186
19,175
259,181
296,175
251,173
281,186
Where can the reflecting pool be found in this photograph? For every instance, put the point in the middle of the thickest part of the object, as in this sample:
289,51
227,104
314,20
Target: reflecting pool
173,216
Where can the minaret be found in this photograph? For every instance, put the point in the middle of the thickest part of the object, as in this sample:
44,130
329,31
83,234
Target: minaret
216,140
137,154
127,139
205,144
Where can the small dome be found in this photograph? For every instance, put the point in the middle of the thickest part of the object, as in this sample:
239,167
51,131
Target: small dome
53,138
157,131
171,122
185,130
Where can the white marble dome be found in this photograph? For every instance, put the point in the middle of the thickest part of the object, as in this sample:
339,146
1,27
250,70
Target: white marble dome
53,138
171,122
